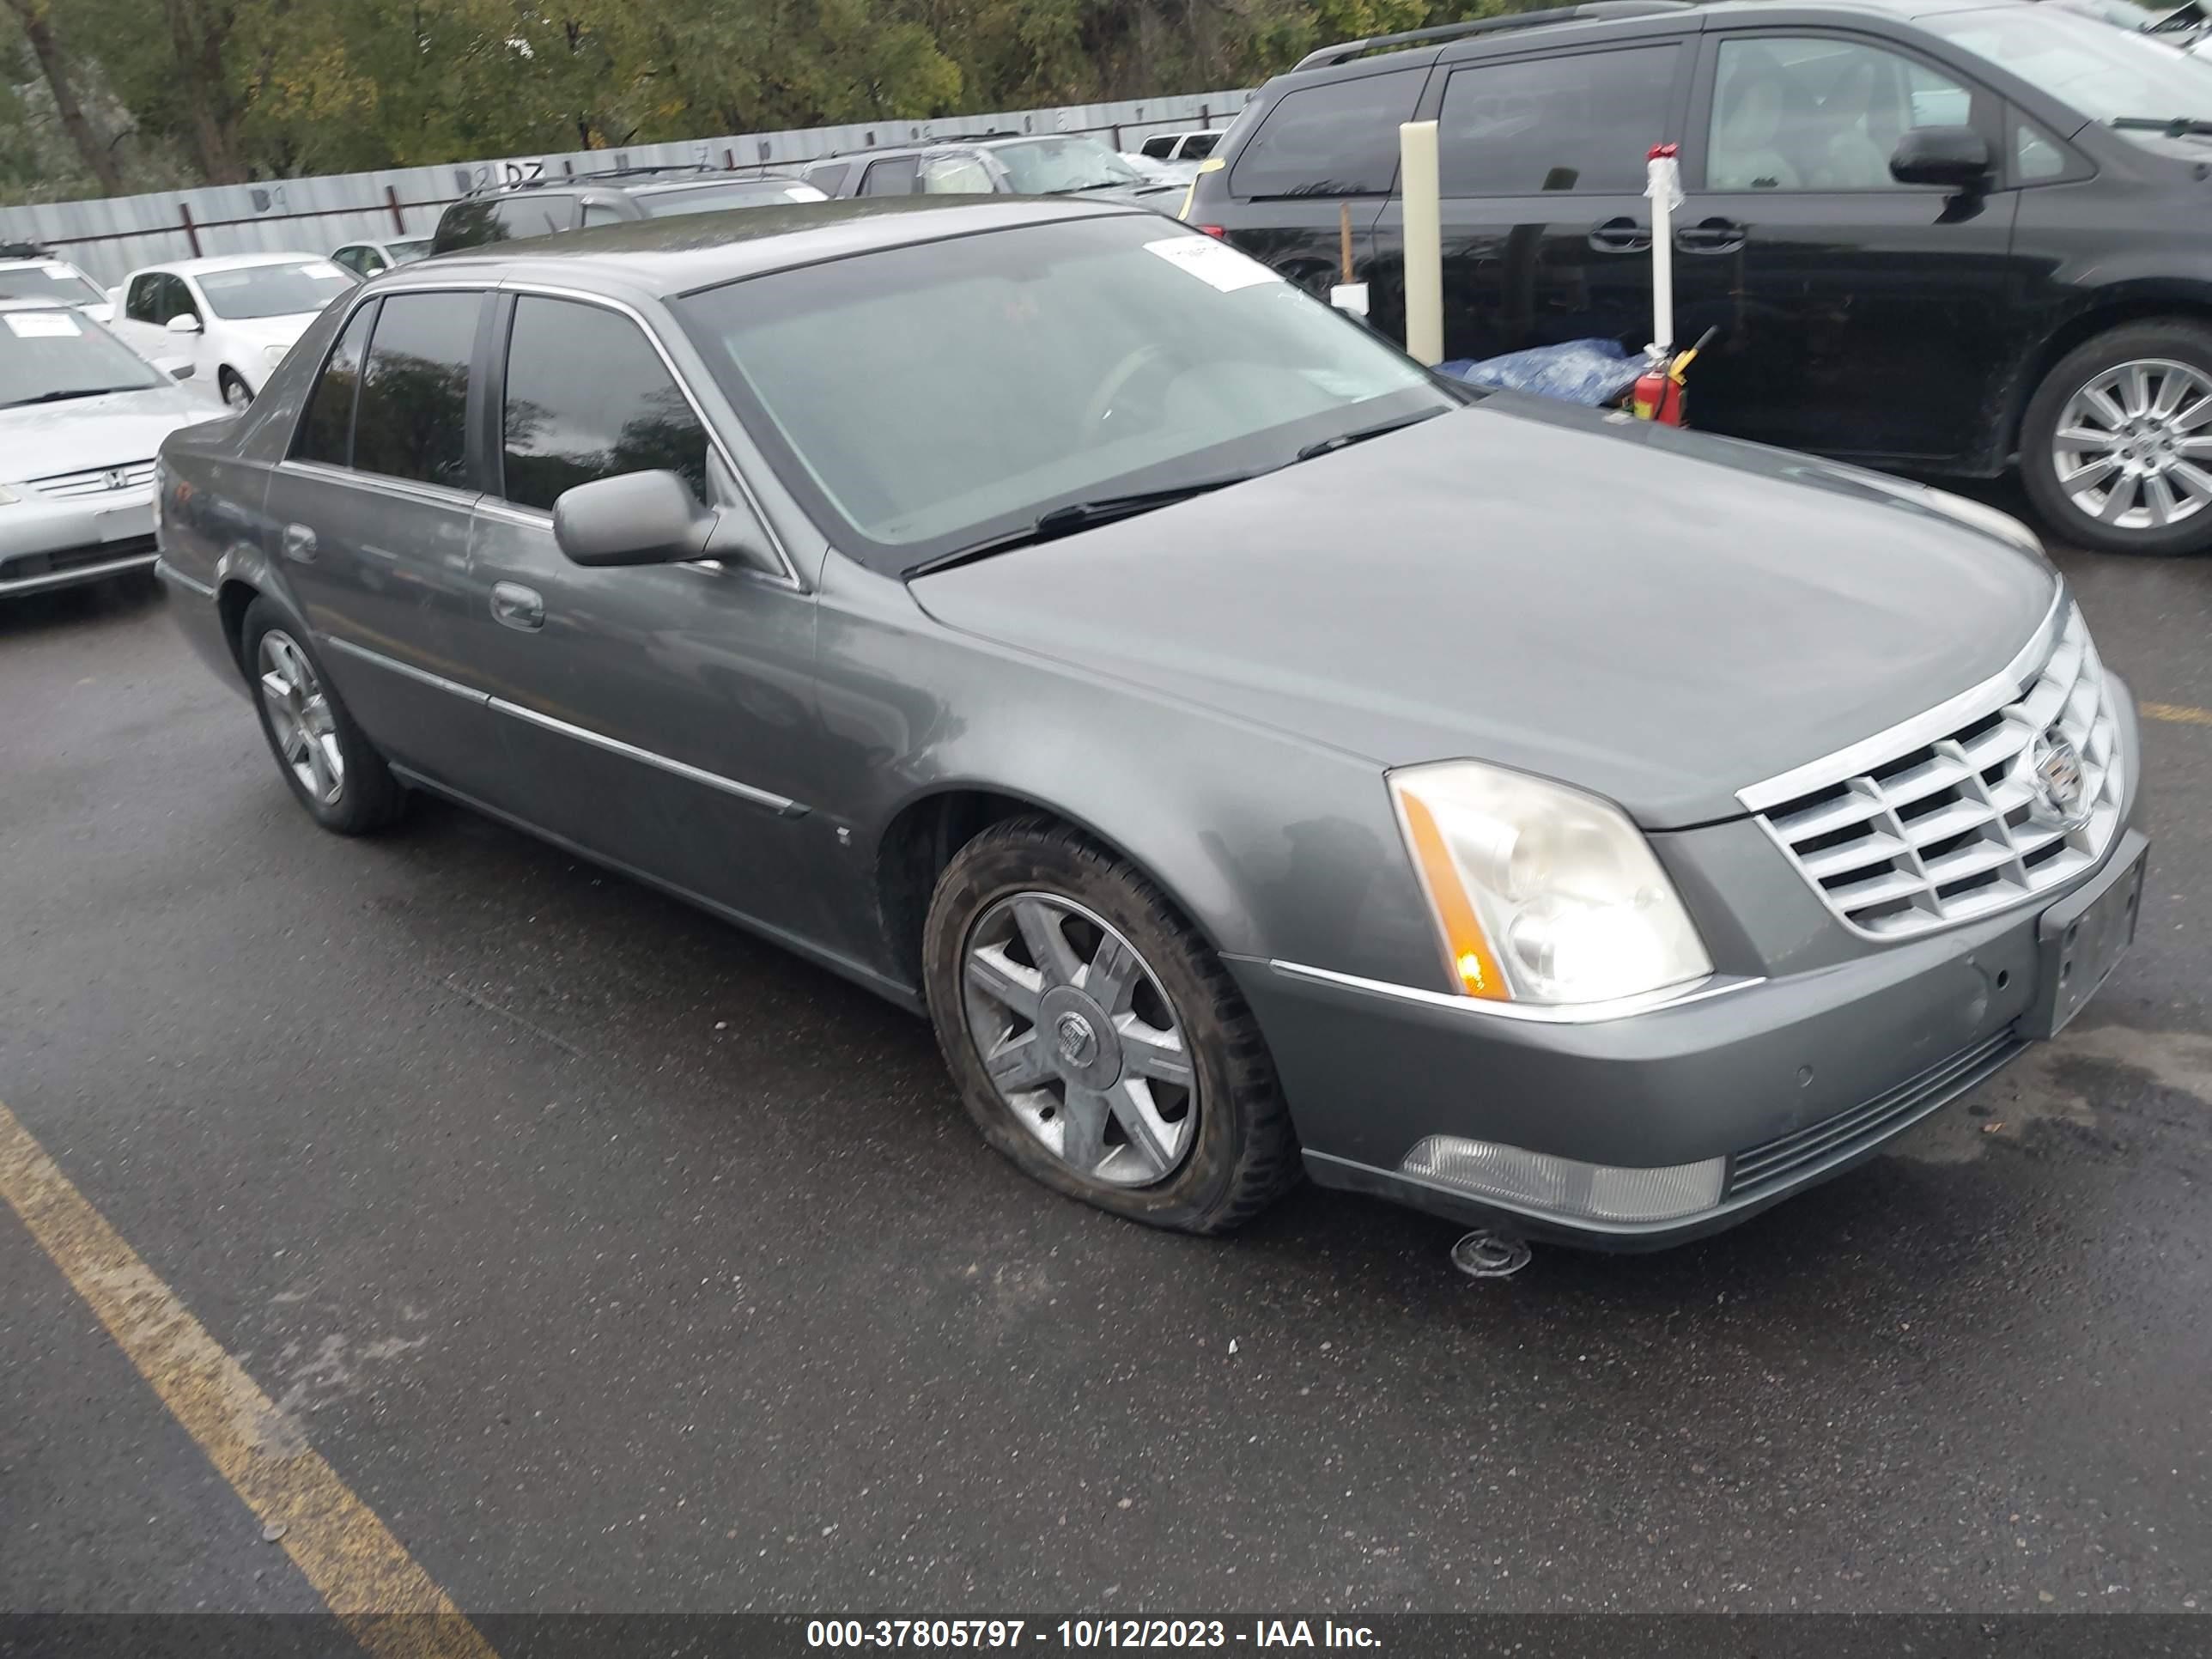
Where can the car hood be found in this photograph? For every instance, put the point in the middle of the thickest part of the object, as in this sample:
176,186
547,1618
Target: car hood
41,440
1656,616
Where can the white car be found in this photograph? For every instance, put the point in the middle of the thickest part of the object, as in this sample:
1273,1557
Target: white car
1174,146
81,417
365,259
32,273
235,317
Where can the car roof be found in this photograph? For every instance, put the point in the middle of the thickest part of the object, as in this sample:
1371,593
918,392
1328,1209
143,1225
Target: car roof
226,262
664,257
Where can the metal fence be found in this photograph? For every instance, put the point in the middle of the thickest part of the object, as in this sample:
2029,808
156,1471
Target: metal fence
111,237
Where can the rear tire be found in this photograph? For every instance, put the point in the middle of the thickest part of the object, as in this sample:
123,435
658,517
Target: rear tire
1136,1079
322,755
2146,387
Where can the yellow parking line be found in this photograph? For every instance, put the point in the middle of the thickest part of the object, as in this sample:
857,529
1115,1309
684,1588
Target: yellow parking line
360,1570
2179,713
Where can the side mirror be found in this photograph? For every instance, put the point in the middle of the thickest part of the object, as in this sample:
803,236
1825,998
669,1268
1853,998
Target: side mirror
1955,158
177,368
640,518
183,323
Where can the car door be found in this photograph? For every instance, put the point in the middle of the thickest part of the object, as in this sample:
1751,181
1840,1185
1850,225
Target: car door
1540,159
1859,316
179,297
135,318
662,716
370,509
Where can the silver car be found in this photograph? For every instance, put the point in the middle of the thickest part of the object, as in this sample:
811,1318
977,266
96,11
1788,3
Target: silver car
81,417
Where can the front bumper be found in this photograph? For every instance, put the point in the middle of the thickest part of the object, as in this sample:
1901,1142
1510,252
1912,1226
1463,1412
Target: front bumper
48,544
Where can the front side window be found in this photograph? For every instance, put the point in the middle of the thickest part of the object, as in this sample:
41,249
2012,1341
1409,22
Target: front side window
1583,122
139,305
173,299
53,355
828,177
1060,166
411,420
1337,139
1812,112
895,177
1198,146
2037,157
599,213
1057,363
957,175
325,433
1160,147
588,398
288,290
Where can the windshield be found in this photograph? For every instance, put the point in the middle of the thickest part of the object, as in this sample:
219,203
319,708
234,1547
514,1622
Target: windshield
2100,72
929,397
713,199
1053,166
47,356
49,280
273,290
407,252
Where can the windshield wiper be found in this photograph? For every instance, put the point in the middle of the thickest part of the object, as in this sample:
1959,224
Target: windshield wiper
63,396
1079,515
2173,126
1095,184
1345,440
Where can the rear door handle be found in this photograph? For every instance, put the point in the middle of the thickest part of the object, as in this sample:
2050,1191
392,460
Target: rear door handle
516,607
1712,236
1620,236
299,543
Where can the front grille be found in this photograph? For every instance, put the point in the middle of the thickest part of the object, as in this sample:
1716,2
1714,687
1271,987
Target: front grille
26,565
1772,1163
1956,828
76,486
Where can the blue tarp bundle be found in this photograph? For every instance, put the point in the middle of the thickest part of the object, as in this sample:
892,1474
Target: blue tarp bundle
1592,373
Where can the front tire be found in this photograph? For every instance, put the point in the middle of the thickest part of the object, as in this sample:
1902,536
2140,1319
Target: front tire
2116,449
235,394
325,758
1098,1040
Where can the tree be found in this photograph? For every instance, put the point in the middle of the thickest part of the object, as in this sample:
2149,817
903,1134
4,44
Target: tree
36,18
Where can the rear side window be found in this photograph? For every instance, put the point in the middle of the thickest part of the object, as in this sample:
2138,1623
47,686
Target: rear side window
827,176
588,398
326,431
1337,139
411,420
1198,146
487,219
1160,146
893,178
1583,122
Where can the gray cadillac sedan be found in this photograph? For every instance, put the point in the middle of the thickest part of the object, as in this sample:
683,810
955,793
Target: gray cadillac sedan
1253,753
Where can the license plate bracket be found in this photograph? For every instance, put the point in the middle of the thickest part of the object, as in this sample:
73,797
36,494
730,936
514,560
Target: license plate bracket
2080,939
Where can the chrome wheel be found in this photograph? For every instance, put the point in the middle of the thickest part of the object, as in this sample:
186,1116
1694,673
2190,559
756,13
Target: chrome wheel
300,716
235,393
1079,1040
2132,449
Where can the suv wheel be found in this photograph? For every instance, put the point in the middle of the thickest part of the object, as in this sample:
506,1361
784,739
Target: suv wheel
325,758
2116,447
1098,1040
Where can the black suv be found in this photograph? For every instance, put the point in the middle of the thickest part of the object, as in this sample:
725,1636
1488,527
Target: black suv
994,164
1947,235
542,207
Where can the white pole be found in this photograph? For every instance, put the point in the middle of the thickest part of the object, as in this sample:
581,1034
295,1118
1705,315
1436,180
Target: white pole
1422,204
1663,185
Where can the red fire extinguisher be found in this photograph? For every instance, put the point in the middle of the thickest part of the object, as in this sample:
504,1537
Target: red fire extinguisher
1659,394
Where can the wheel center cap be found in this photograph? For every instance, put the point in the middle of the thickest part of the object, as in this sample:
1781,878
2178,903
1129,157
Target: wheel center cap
1085,1049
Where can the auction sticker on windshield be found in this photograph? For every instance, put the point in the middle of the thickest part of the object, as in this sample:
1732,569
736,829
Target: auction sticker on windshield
42,324
1211,262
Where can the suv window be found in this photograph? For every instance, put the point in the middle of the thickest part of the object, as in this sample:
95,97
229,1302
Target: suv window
1339,139
826,176
960,174
588,398
1582,122
411,419
485,219
895,177
326,431
1812,112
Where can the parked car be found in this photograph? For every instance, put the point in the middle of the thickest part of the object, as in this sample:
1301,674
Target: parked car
1252,750
547,207
1938,237
1060,164
365,259
29,272
80,415
234,316
1194,146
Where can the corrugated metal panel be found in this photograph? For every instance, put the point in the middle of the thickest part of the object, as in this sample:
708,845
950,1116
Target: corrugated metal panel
113,236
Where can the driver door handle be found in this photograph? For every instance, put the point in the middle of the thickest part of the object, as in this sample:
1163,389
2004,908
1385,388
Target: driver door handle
1711,236
1622,235
516,607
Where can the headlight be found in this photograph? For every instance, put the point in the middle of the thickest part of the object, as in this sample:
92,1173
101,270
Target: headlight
1541,893
275,354
8,495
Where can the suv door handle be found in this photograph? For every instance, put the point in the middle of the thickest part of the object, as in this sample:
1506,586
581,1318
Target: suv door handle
1712,236
299,543
514,605
1622,235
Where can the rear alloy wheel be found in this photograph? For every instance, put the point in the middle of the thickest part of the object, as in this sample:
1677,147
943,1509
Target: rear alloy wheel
2116,448
1098,1040
329,763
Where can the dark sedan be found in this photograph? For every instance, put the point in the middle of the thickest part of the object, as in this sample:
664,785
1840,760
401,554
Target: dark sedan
1252,754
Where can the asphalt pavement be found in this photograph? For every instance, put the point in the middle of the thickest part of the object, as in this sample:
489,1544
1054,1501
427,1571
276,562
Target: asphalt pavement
616,1260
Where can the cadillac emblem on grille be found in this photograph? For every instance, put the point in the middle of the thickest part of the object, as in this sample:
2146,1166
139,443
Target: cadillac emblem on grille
2056,776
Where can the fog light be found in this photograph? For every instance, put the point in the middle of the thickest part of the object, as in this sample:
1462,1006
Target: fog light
1560,1186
